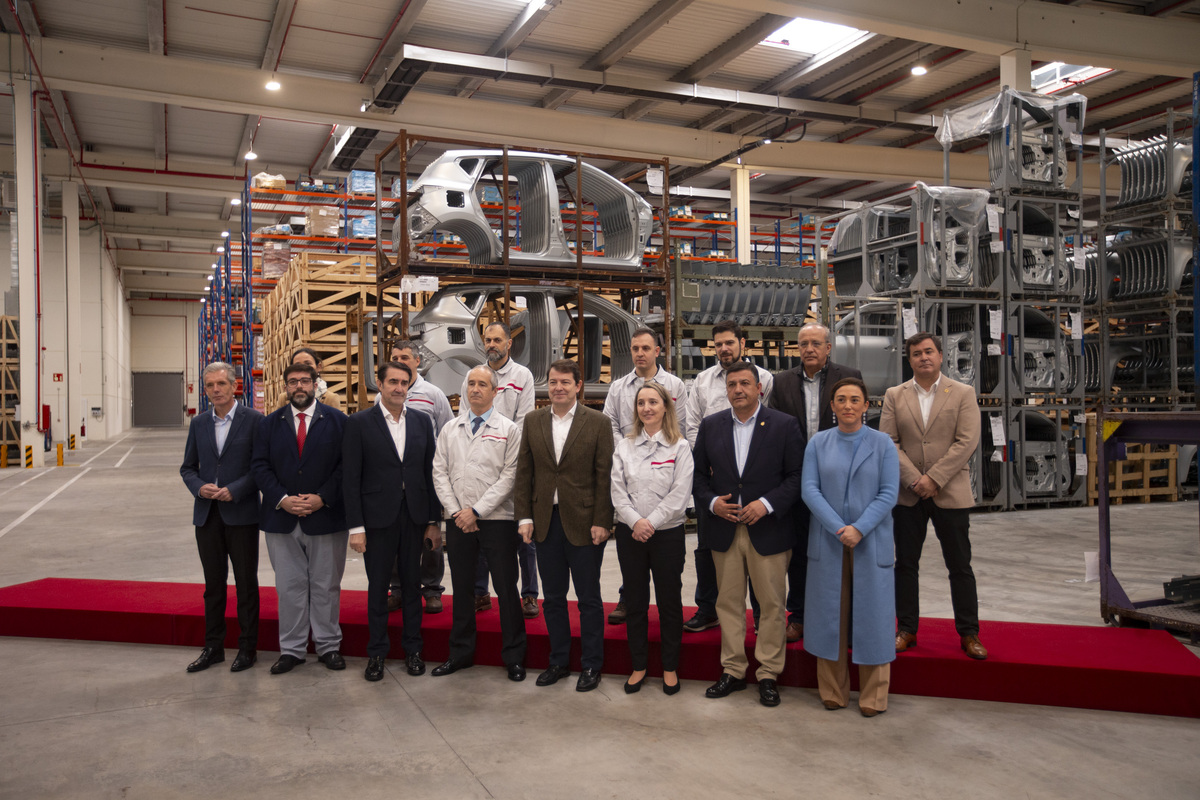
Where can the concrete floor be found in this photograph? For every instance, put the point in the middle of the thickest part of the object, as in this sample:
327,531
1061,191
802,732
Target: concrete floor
110,720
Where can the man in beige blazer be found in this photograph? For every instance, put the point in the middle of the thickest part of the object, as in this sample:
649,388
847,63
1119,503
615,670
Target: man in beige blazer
562,497
934,421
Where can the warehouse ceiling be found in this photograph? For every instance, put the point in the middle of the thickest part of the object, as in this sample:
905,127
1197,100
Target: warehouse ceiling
151,105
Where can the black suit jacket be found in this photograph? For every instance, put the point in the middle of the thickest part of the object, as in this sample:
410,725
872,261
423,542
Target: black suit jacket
280,470
772,472
374,478
229,469
788,395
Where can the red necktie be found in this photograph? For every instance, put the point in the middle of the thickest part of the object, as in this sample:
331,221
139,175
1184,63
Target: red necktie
301,432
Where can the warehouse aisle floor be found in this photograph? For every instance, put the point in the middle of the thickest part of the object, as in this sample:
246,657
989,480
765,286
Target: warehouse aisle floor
107,720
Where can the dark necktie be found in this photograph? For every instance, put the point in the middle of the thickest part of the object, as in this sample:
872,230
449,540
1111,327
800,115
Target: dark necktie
475,423
301,432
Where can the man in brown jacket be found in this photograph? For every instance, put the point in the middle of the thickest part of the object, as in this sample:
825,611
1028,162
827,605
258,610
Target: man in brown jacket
562,497
934,422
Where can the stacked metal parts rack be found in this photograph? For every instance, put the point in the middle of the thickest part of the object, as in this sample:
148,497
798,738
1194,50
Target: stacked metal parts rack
1179,607
525,217
1140,275
997,274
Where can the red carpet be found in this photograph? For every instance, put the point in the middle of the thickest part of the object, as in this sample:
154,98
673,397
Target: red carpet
1111,669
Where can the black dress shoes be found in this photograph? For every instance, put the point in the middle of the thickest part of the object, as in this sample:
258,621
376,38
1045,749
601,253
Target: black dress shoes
634,688
448,667
374,670
208,657
669,689
245,660
415,664
285,663
726,686
768,693
552,674
588,679
516,672
333,660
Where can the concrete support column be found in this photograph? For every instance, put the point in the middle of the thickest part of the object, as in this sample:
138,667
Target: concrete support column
1016,69
739,209
74,374
26,153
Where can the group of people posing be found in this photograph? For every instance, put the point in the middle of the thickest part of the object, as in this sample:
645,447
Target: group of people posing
822,518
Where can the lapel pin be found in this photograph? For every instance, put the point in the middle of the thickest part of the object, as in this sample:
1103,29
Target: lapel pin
762,424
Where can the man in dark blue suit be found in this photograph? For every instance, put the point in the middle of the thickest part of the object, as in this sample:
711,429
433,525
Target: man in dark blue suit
747,480
392,509
298,467
216,469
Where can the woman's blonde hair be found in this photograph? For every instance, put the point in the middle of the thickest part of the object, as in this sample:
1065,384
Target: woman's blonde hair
670,426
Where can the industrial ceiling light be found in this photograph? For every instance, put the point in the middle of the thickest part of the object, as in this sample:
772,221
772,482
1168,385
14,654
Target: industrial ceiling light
364,105
236,201
250,155
220,249
272,85
919,70
224,234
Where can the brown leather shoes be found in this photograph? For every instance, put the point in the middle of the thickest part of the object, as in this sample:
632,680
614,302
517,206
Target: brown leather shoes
971,646
529,607
905,640
871,712
482,602
795,632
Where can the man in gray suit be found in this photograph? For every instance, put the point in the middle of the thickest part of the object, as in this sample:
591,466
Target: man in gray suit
216,469
934,421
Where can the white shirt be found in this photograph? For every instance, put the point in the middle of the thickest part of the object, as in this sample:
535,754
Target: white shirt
308,416
621,404
222,426
925,399
514,392
477,471
651,480
707,396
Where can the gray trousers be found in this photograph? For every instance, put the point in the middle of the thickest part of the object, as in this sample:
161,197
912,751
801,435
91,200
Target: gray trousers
308,580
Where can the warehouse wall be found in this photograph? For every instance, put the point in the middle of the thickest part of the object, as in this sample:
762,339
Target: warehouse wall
164,339
103,380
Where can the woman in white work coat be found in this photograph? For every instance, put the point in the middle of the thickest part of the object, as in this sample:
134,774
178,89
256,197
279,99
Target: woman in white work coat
651,485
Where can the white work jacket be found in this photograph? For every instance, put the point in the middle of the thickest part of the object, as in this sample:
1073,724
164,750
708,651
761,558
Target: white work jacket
621,404
651,480
477,471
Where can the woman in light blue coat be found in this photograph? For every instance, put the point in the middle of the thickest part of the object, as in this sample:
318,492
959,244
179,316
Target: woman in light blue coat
850,482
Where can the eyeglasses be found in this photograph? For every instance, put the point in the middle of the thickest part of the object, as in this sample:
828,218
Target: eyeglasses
293,383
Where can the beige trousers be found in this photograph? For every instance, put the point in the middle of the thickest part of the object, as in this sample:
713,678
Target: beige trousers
833,677
769,574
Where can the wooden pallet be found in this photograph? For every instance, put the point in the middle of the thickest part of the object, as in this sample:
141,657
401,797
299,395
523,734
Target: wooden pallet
307,308
1147,473
10,387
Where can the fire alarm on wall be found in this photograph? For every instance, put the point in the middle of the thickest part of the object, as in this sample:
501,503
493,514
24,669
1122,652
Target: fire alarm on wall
58,377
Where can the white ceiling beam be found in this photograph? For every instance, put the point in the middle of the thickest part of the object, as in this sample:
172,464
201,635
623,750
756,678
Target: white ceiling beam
223,87
188,285
1052,32
270,60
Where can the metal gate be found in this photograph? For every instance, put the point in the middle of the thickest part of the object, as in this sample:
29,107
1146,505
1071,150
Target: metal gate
158,399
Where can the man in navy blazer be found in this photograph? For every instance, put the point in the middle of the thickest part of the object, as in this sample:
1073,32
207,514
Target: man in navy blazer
747,480
298,467
216,469
392,509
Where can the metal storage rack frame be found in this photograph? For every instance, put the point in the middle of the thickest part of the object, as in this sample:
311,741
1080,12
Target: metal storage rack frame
394,158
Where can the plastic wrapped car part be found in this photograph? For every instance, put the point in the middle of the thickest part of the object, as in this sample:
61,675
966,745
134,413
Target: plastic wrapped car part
993,114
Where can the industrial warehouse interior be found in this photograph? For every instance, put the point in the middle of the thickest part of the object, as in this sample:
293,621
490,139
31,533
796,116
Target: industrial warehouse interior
184,183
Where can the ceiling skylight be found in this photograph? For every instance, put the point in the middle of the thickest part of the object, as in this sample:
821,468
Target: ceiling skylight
1056,76
811,37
